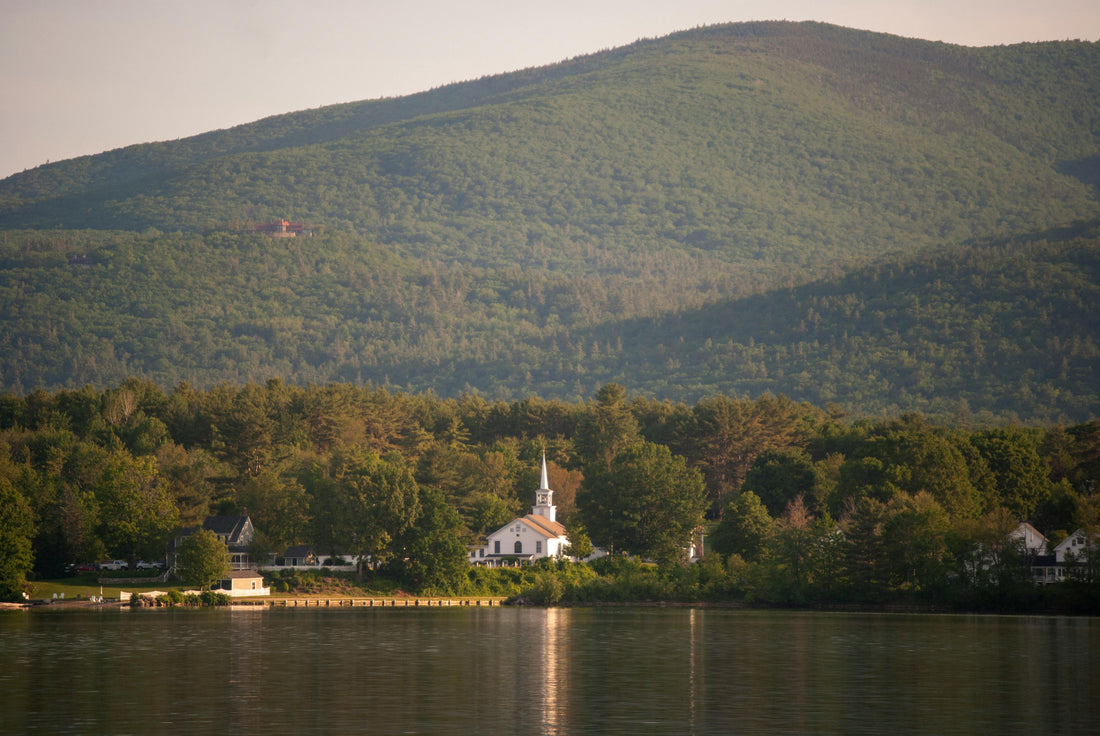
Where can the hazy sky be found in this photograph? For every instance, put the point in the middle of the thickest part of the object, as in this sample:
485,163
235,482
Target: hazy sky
85,76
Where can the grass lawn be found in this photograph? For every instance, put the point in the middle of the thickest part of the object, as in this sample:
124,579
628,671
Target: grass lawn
85,585
75,588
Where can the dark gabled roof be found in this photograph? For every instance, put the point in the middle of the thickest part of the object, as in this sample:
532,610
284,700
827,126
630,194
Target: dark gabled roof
299,550
229,528
226,526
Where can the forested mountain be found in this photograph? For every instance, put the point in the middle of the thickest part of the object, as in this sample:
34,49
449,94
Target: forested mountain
839,216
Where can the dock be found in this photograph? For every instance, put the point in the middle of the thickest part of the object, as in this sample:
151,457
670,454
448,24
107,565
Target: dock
326,602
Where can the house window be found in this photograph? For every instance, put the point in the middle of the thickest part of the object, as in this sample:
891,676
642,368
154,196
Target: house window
538,547
519,547
496,547
481,552
253,585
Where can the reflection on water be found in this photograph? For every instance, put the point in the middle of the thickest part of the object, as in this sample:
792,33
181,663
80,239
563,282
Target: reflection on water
694,623
554,653
556,671
245,684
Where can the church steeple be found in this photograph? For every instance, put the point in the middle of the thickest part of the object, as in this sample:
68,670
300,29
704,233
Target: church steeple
545,483
544,497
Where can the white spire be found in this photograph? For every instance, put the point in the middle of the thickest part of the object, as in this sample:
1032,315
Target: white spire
544,497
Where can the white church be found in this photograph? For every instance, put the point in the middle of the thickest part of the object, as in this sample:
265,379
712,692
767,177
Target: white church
523,540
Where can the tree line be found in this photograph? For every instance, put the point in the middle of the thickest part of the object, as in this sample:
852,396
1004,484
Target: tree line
786,491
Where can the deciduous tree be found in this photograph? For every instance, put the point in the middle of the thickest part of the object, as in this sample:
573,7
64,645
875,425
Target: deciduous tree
744,529
202,559
279,505
646,502
136,513
429,555
1020,478
362,502
16,532
778,477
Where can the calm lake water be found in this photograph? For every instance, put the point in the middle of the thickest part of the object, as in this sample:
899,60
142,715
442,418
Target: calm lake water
545,671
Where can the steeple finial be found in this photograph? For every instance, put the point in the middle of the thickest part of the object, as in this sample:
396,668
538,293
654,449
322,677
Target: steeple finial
545,483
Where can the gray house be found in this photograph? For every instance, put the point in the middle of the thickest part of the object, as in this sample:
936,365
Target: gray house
236,531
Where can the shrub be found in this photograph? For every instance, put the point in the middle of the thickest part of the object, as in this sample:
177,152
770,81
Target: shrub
213,598
547,590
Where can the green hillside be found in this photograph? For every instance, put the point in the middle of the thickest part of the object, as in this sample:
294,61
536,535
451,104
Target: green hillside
836,215
1007,328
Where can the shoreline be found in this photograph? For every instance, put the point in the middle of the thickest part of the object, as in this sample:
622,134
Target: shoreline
412,602
308,601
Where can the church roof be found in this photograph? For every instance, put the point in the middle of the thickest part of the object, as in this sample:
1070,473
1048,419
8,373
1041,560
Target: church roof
539,524
544,526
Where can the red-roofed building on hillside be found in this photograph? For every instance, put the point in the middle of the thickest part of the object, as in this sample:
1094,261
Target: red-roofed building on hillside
283,229
539,534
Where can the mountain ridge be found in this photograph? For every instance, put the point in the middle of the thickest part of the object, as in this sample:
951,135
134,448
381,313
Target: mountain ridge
497,229
806,42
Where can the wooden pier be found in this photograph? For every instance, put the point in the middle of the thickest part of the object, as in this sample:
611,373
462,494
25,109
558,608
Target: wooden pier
326,602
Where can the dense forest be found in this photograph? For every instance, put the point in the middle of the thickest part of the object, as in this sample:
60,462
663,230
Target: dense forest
800,503
997,330
841,217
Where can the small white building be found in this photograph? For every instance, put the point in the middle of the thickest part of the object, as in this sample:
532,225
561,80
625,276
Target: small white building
240,583
525,539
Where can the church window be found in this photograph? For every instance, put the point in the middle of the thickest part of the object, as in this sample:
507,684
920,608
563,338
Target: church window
519,546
